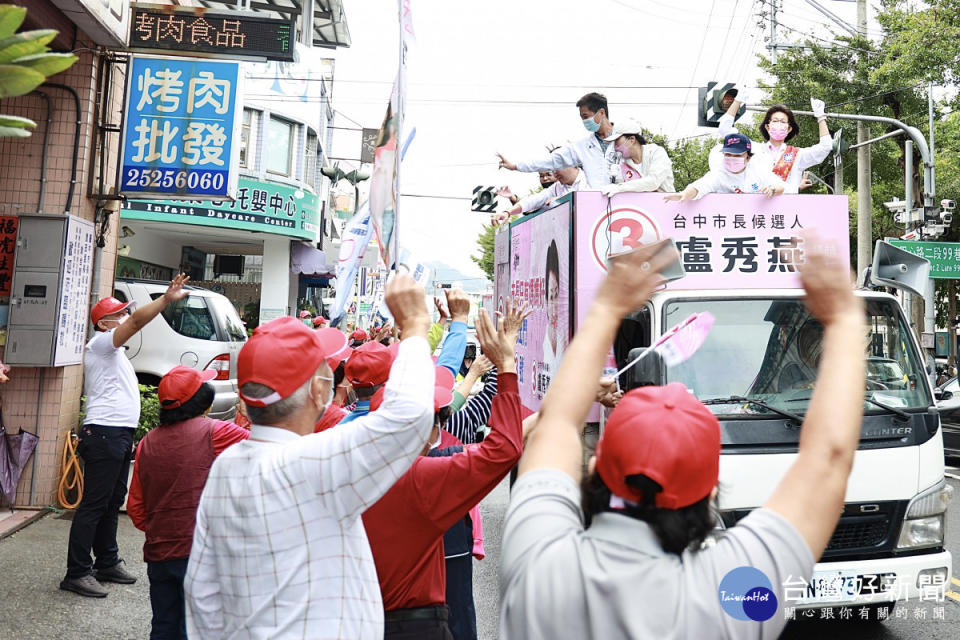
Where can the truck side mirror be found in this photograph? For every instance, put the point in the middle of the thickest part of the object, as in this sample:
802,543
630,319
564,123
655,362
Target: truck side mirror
650,370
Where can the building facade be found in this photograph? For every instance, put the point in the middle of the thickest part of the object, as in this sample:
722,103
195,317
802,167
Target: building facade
69,165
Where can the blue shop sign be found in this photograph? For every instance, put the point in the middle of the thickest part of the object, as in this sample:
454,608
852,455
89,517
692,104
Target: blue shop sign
178,138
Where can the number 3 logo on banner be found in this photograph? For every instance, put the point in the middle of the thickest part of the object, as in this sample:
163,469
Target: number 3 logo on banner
622,230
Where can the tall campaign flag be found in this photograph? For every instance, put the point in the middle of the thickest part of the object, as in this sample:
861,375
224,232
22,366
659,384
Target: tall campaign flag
385,181
355,238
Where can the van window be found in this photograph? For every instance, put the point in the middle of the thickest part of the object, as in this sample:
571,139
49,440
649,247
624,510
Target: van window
190,317
119,295
228,318
770,349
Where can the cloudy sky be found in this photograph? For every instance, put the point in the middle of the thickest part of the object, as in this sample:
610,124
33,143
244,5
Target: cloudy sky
503,75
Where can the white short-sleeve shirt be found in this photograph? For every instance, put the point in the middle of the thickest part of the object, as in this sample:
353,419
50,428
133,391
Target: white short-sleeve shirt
110,384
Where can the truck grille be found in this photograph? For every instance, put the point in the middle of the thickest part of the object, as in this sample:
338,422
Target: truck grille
865,530
859,534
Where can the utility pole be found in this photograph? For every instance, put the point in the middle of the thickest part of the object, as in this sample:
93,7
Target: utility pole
773,30
864,200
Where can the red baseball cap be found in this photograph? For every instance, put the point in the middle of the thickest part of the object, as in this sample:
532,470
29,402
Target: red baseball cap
666,434
319,320
305,314
359,334
283,354
368,365
333,337
443,388
107,307
180,384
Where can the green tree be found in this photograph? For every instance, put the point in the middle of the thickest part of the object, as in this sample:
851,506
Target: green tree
25,63
887,76
485,243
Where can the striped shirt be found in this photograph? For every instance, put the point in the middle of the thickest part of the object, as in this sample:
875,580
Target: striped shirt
279,550
465,424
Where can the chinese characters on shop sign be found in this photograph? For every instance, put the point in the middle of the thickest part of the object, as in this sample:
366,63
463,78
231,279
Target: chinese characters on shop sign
183,32
181,115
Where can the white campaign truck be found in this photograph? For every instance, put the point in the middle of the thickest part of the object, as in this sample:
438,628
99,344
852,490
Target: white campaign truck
756,369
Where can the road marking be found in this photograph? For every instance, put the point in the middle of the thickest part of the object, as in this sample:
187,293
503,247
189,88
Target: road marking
949,475
955,581
953,596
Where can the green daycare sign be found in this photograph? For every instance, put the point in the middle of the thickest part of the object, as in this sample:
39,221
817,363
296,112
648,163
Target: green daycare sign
267,207
944,257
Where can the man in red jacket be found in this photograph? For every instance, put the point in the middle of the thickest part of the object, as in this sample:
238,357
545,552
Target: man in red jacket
405,527
168,477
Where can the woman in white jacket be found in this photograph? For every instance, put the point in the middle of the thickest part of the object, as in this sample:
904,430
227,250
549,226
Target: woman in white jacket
778,127
644,167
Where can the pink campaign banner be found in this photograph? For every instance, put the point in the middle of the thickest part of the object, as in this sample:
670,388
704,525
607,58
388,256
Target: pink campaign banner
539,275
734,241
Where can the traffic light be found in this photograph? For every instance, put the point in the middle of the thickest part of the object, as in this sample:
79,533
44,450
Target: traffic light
484,199
357,175
335,173
714,102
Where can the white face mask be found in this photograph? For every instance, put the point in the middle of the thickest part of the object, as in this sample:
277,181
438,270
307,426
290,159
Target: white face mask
332,392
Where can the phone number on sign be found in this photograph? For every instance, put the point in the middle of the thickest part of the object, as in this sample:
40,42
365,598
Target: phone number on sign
138,179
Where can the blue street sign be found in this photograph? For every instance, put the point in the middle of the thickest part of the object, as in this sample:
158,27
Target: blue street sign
178,139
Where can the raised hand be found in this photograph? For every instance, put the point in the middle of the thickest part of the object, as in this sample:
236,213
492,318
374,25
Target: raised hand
176,291
506,164
827,283
442,310
459,304
633,276
481,365
512,320
818,107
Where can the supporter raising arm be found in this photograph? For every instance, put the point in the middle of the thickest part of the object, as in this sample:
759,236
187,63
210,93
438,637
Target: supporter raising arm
778,126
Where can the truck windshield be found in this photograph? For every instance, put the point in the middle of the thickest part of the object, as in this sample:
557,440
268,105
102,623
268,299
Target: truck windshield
769,350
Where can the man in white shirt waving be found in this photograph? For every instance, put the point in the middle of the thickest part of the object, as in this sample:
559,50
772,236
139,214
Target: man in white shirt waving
106,441
594,153
279,550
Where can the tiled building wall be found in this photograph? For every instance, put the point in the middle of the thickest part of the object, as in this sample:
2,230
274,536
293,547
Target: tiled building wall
47,401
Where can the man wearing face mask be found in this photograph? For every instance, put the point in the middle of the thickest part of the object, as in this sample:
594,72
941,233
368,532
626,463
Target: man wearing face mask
645,166
778,127
594,153
740,174
279,549
406,526
568,179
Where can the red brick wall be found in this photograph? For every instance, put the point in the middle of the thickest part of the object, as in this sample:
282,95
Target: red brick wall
58,396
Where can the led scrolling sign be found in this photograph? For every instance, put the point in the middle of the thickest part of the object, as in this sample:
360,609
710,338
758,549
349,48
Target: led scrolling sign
190,32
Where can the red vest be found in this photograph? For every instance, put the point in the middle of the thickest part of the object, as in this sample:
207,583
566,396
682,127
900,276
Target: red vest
173,464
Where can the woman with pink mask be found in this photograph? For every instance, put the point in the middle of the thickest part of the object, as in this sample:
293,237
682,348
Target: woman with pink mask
739,173
778,127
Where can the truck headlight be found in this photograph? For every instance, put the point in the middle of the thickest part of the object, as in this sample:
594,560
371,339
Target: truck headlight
923,525
921,532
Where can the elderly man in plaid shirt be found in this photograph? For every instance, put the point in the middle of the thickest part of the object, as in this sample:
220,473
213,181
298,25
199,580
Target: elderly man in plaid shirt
279,550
